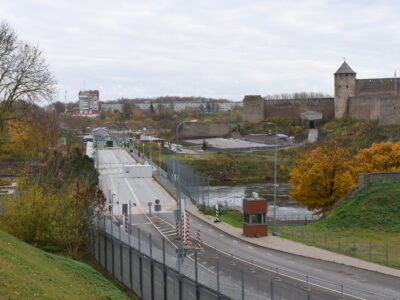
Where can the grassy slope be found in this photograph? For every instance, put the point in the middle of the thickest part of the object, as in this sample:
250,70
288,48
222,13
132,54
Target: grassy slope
27,272
377,209
366,226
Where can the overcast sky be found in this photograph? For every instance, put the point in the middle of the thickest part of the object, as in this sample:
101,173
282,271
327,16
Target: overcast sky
213,48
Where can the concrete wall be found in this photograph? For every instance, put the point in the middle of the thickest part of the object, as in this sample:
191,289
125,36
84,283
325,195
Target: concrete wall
292,108
365,179
206,130
376,86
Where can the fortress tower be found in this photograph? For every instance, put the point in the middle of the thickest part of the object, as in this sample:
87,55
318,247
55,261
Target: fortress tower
345,87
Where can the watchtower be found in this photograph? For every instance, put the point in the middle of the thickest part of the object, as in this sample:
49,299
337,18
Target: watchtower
345,87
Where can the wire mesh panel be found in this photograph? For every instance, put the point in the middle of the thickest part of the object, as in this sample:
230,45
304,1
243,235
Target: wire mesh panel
147,281
125,267
192,183
109,255
117,260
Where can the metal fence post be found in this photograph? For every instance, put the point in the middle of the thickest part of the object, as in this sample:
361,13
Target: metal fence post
105,251
140,275
152,278
98,241
130,268
196,276
151,246
139,239
164,270
218,290
112,252
272,289
120,262
242,278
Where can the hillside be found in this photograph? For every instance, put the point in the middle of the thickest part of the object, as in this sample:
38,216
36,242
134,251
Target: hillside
29,273
376,208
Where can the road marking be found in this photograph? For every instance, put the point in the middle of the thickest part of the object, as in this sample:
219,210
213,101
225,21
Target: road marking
210,229
250,247
221,235
234,241
269,254
291,261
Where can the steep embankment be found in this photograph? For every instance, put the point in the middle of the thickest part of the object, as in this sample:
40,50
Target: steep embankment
376,208
29,273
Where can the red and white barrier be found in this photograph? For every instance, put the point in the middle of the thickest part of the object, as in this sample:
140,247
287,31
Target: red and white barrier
126,223
187,230
198,240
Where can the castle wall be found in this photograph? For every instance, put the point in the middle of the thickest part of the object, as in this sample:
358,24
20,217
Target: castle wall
253,108
384,108
376,86
390,110
345,86
292,108
205,130
364,108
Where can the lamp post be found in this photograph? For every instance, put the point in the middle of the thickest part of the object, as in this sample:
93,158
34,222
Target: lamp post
178,190
275,171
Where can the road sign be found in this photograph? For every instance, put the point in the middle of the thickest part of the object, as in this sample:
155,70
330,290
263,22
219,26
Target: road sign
157,207
157,201
149,203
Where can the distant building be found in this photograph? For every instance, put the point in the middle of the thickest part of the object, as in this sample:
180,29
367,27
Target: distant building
100,137
89,103
111,106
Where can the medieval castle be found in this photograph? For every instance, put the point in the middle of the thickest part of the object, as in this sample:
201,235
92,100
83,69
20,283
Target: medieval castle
362,99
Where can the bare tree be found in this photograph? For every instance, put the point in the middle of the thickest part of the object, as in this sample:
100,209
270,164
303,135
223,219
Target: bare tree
24,74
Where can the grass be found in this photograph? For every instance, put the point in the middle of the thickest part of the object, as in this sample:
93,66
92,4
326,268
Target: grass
240,167
231,216
29,273
366,226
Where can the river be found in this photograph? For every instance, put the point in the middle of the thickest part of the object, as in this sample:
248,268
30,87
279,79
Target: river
232,196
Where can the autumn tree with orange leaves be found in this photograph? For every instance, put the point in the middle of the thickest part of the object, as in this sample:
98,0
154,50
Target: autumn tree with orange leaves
322,176
325,174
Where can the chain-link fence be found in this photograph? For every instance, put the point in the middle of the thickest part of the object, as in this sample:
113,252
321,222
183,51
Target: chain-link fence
376,251
193,184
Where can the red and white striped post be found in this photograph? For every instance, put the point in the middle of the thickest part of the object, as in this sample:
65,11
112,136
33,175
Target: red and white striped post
187,230
126,223
198,240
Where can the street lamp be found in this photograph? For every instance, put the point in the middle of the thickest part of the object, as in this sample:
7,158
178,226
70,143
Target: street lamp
275,169
179,203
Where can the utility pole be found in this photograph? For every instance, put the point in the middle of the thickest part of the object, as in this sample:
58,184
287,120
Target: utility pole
275,173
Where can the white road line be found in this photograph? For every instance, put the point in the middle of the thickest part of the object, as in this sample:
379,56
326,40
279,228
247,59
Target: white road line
234,241
250,247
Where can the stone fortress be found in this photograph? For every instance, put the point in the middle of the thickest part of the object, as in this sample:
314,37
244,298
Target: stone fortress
362,99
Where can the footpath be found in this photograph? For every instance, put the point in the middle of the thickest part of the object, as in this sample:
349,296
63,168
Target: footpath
275,242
